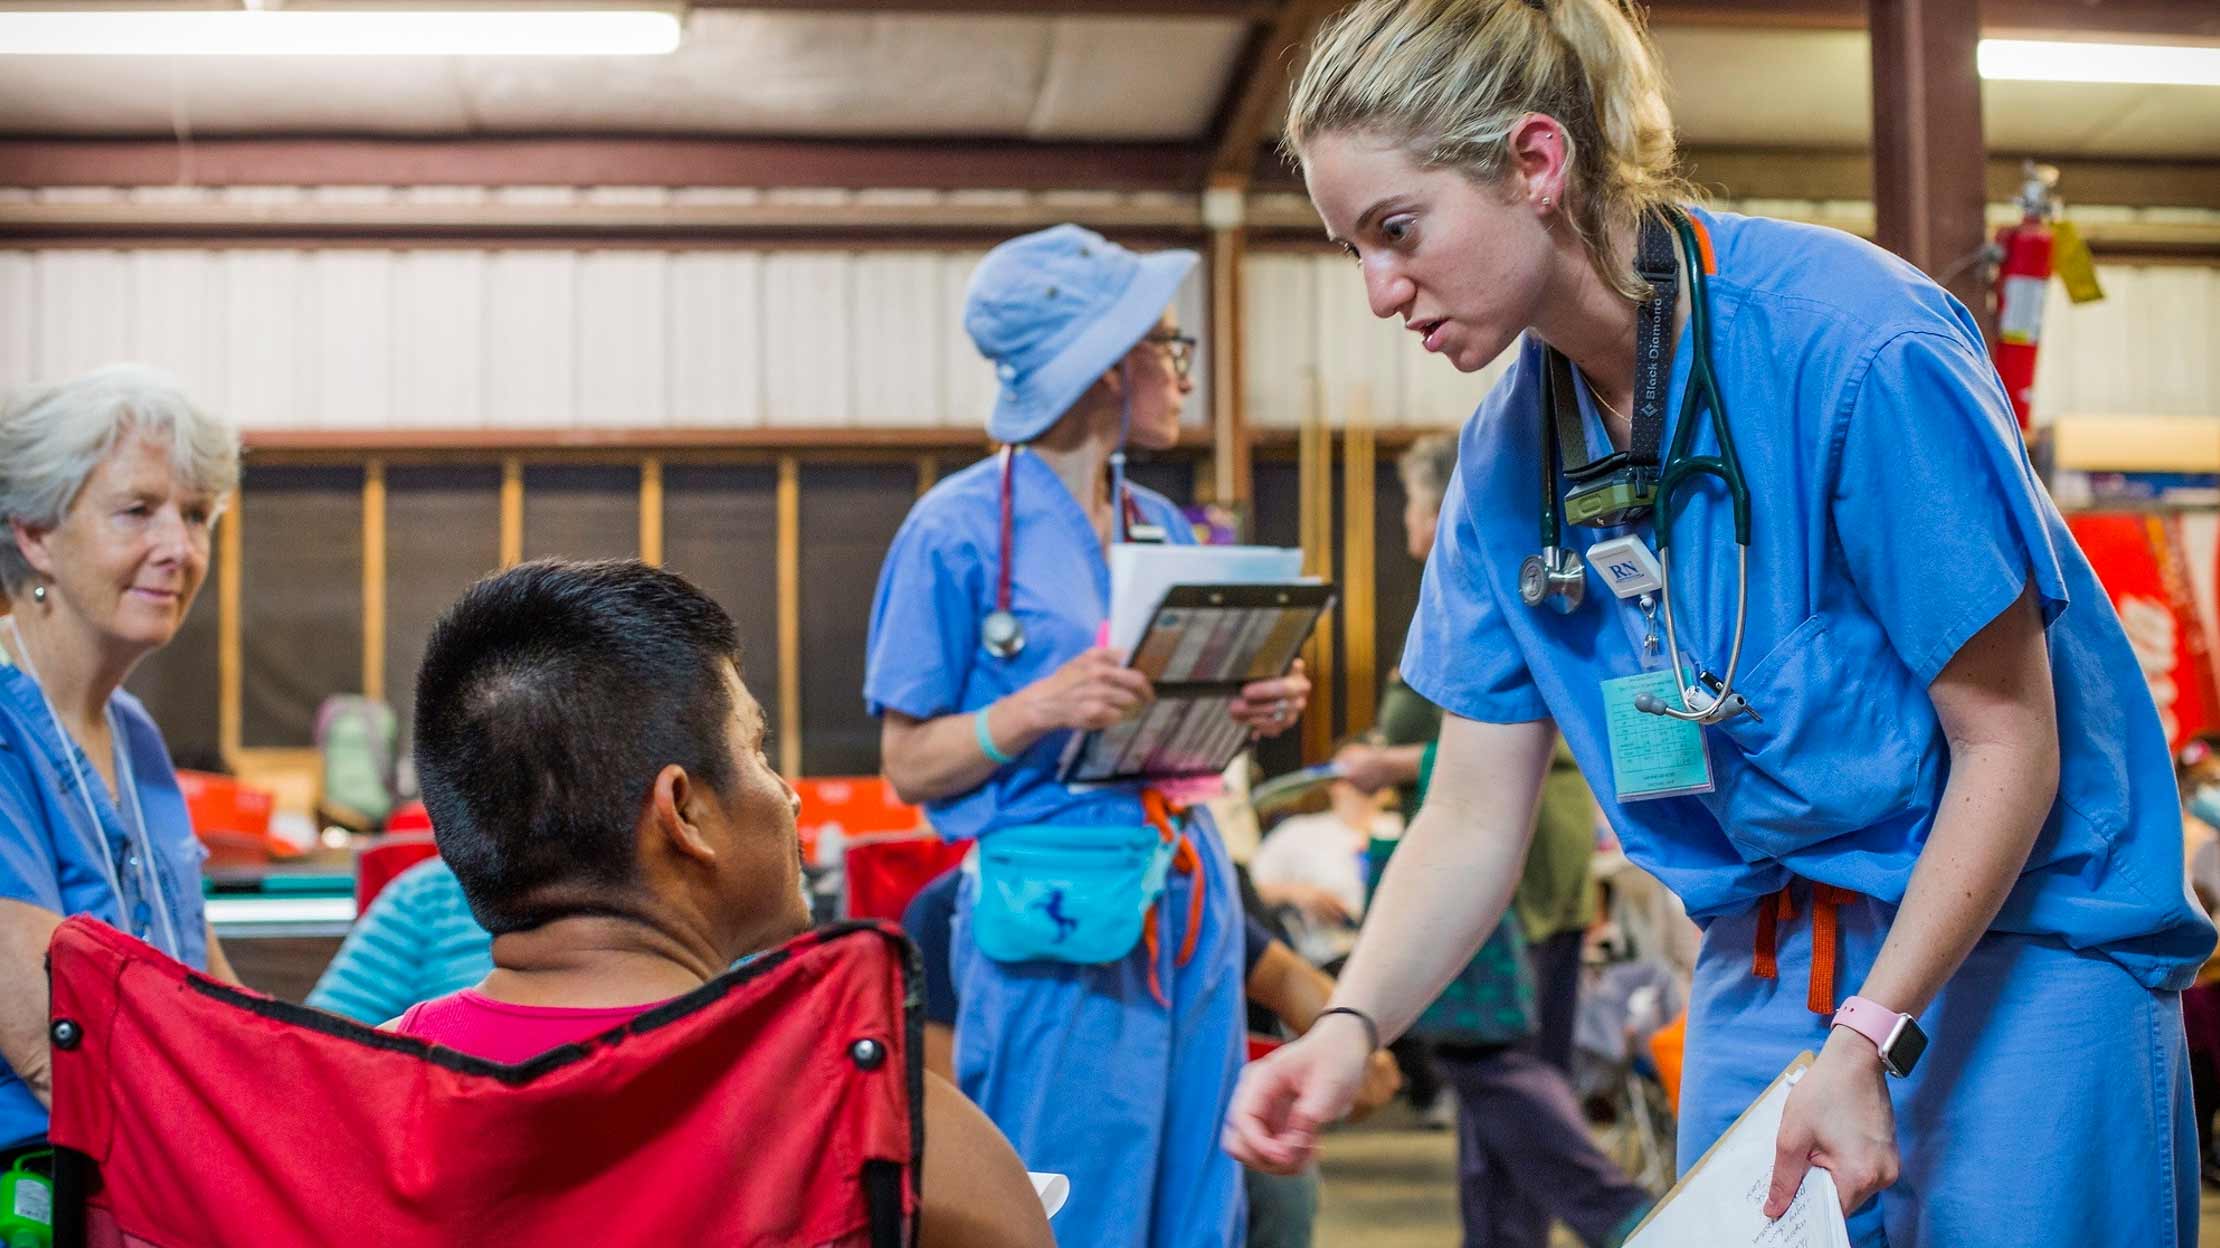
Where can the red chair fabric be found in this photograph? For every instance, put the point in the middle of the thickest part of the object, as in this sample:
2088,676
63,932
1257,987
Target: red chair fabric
377,863
775,1105
883,875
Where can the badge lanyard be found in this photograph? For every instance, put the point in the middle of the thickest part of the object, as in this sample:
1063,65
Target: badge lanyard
137,843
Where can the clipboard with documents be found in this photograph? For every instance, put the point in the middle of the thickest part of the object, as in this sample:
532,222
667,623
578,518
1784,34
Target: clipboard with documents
1720,1202
1202,643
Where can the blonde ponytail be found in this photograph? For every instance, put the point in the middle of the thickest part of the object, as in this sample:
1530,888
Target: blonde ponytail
1450,80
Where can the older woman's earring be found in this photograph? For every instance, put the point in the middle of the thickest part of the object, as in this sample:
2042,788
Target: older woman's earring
38,593
1545,201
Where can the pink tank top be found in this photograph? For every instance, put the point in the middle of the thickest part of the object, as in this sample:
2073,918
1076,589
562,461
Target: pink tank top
500,1032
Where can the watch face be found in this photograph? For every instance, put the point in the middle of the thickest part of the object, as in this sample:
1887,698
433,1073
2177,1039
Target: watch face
1905,1045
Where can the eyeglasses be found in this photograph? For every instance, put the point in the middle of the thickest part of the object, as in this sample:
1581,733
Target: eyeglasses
1180,347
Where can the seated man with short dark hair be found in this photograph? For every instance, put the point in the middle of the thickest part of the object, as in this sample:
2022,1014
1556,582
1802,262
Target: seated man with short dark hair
596,772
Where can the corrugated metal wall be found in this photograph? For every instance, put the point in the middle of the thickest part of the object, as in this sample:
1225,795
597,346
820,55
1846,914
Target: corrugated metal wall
346,338
362,338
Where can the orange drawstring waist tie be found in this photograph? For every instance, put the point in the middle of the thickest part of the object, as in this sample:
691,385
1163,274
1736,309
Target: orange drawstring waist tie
1162,815
1826,941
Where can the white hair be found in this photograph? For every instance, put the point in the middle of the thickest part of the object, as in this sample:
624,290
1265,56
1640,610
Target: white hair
1426,466
53,437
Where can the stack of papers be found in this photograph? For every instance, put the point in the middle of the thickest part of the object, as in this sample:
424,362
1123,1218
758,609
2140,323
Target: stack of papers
1720,1202
1200,622
1141,574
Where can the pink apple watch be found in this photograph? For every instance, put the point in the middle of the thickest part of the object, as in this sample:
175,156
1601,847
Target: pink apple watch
1896,1036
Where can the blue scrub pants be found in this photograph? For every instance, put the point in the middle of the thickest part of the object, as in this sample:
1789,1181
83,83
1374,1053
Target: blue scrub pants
2052,1106
1088,1076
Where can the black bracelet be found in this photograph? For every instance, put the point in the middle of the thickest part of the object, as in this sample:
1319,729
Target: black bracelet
1371,1029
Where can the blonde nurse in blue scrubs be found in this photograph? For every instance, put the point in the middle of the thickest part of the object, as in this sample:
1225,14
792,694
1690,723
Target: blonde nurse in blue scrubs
1862,704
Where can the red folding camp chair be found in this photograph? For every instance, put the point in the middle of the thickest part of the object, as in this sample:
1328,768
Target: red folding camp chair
776,1105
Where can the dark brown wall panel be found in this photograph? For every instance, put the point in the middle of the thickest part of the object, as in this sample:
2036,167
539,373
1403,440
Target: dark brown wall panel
581,511
443,531
300,598
721,531
178,682
1172,477
1277,521
849,515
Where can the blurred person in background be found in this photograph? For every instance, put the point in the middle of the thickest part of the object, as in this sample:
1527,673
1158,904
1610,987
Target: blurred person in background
1312,868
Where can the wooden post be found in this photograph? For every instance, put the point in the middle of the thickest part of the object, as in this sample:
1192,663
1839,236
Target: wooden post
230,672
1231,479
512,511
1359,578
1315,512
790,615
373,579
651,510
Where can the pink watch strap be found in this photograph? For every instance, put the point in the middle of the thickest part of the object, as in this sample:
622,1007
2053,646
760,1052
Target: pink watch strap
1870,1019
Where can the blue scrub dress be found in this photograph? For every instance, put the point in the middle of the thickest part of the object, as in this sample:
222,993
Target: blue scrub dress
1895,514
1084,1071
50,859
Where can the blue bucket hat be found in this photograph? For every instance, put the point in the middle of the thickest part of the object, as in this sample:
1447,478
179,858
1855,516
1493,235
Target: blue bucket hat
1054,310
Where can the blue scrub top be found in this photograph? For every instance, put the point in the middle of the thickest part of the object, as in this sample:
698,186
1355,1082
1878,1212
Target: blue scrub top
938,583
49,859
1894,514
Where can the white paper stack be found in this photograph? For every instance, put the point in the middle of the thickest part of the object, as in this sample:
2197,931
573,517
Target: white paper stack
1141,572
1720,1203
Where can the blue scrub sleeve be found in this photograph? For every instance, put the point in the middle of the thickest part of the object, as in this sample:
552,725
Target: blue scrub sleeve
1461,654
924,623
29,872
1939,514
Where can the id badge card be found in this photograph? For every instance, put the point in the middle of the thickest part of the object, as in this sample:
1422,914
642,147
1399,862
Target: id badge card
1652,755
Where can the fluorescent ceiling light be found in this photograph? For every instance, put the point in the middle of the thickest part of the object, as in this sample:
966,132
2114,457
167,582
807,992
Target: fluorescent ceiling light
340,32
2035,60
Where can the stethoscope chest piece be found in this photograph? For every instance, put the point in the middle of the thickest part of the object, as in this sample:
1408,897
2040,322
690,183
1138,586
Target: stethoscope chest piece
1557,577
1002,634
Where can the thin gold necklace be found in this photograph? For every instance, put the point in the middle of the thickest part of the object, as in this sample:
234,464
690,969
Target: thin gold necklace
1596,392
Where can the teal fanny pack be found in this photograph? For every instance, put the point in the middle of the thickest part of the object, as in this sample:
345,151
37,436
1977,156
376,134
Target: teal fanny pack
1064,893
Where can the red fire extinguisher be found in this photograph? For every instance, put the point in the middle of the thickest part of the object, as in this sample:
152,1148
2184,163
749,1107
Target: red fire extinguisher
2022,282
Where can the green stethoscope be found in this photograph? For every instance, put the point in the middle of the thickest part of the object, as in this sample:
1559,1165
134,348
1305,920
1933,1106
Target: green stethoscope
1558,577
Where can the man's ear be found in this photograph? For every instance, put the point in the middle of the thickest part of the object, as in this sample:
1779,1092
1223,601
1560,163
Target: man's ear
674,808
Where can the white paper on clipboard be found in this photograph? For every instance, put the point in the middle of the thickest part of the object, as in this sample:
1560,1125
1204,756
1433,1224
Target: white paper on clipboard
1720,1202
1141,573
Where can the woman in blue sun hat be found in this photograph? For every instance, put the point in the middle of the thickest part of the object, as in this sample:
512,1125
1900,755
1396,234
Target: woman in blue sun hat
1097,937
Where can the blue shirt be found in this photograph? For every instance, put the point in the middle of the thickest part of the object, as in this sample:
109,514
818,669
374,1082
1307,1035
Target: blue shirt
1894,515
415,942
50,857
938,583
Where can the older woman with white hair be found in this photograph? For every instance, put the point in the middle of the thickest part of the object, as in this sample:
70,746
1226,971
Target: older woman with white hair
109,487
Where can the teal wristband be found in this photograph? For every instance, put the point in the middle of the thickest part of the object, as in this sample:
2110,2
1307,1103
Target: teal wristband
986,738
